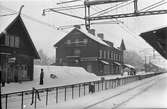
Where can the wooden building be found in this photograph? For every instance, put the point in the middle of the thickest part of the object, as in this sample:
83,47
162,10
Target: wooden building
85,49
17,50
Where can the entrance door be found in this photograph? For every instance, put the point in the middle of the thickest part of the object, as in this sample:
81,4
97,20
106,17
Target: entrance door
10,72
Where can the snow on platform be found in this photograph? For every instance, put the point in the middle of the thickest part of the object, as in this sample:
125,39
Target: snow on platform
101,100
64,76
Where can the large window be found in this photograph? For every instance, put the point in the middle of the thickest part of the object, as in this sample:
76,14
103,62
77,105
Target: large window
6,40
17,42
10,40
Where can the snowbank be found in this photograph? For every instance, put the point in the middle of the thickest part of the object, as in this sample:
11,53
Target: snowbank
64,73
64,76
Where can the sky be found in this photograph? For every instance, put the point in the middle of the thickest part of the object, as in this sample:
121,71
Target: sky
44,37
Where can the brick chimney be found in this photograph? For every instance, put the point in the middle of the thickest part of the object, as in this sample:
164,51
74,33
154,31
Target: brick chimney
101,36
92,31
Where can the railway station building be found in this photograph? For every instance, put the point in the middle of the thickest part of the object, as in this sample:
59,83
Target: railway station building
90,51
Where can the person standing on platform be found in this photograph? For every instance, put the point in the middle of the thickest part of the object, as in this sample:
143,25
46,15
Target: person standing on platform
41,77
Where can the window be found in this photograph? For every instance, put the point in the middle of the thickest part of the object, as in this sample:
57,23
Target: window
76,40
7,40
85,41
104,54
108,54
17,41
100,53
77,52
11,41
68,42
116,57
111,55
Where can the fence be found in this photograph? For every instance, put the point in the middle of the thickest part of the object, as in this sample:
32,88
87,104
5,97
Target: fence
40,98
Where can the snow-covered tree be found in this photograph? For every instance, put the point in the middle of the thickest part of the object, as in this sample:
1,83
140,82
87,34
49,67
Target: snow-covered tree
44,59
134,59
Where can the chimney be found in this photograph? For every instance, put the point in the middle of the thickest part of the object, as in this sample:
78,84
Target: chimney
101,36
77,26
92,31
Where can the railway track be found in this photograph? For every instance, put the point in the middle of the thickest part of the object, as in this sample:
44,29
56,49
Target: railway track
123,92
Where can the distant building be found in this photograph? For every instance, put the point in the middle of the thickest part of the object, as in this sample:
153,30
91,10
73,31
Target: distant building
85,49
17,50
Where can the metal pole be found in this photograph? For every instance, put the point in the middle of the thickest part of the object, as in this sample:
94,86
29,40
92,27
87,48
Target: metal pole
84,89
6,101
46,96
22,94
57,95
72,91
65,94
79,90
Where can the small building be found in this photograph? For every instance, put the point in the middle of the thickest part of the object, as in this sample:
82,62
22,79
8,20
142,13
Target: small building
17,50
90,51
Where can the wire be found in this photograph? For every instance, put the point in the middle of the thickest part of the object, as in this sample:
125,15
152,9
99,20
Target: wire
115,8
105,9
7,14
156,6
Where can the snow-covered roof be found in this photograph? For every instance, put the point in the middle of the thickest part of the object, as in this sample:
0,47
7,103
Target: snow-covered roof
95,38
130,66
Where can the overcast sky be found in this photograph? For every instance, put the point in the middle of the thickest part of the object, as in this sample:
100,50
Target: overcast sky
44,37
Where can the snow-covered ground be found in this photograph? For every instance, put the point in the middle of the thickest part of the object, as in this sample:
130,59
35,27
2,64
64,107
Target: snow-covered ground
147,90
64,76
155,96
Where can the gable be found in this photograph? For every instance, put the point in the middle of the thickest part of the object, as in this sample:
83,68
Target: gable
16,28
80,33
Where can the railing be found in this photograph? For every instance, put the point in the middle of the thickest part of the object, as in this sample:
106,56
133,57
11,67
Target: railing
40,98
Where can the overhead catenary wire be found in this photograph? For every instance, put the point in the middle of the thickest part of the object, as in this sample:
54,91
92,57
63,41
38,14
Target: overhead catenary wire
117,7
156,6
34,19
3,15
105,10
151,5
